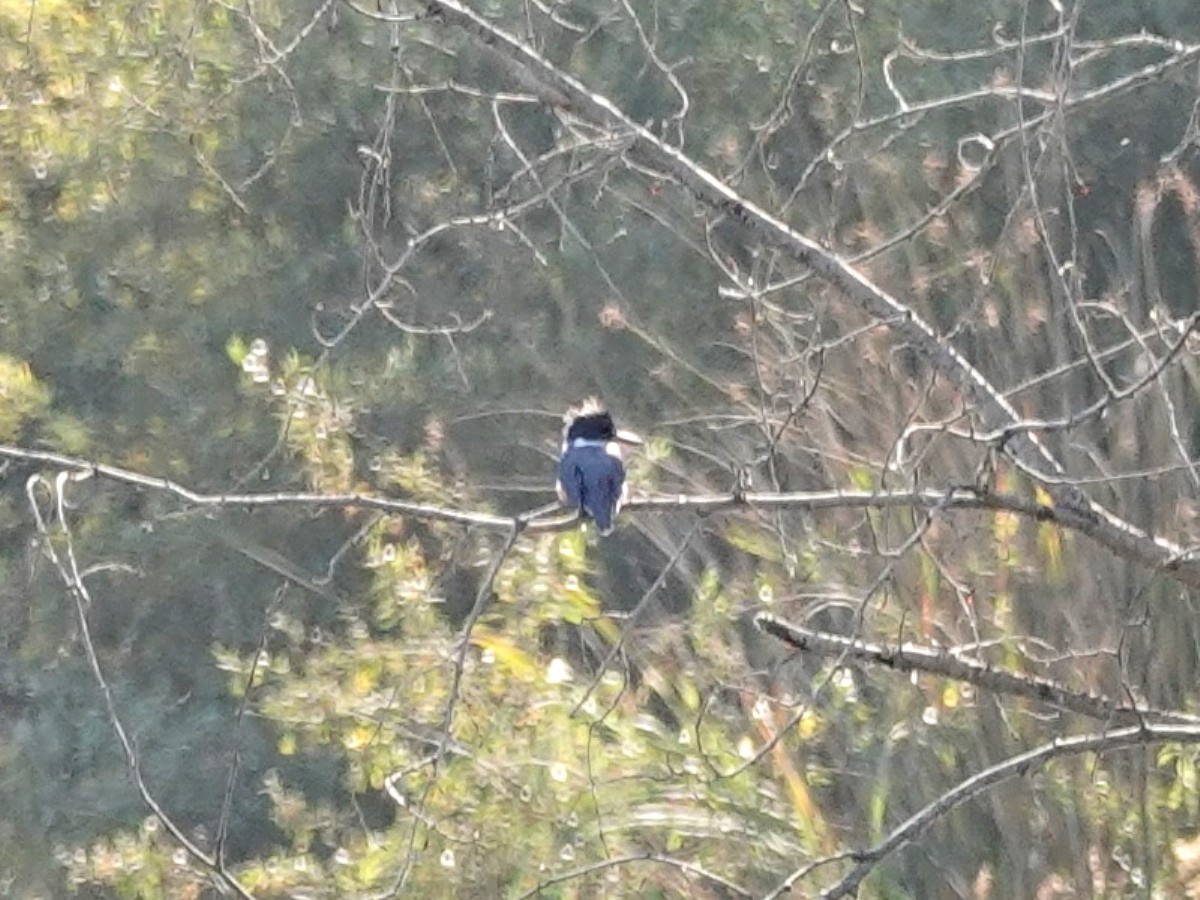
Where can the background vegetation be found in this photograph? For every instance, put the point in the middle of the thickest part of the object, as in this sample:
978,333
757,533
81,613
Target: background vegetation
301,259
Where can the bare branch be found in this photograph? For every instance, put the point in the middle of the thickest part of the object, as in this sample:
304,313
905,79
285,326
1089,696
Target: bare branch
68,570
688,868
950,662
445,741
235,764
1026,450
634,614
1022,764
537,520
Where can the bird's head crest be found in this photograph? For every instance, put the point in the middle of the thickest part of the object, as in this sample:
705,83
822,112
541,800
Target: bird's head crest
588,408
589,420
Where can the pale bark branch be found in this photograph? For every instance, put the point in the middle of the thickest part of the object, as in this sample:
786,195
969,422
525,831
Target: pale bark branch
947,662
561,90
539,520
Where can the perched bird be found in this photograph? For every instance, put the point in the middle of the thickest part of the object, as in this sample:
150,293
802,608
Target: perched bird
591,476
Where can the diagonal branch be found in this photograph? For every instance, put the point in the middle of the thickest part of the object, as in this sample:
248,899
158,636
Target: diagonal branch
67,566
1022,764
561,90
445,742
946,663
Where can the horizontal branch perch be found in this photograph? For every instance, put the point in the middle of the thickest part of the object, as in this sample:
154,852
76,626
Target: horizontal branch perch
953,498
423,511
945,663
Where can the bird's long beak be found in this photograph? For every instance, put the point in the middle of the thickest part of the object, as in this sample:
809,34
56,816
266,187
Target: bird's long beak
628,437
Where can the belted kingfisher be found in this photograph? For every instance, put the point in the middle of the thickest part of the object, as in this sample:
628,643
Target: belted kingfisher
591,476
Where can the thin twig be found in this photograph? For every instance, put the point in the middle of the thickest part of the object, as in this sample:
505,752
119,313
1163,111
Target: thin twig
68,571
1022,764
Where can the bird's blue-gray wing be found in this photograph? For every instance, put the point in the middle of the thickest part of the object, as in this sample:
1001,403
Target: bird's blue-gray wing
591,480
606,498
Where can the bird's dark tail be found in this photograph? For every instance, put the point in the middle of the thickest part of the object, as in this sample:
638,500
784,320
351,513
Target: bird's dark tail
603,517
